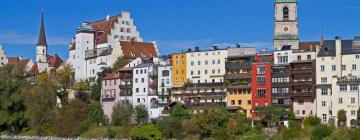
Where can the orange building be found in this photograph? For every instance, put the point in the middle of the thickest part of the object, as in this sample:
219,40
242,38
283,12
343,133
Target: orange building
179,69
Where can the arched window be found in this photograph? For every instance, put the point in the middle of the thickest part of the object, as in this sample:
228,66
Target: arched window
286,13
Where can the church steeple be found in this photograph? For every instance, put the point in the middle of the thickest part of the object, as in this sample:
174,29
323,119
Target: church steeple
42,36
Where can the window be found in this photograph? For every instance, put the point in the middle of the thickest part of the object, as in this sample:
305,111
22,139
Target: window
308,57
286,13
261,93
353,66
324,119
333,67
218,61
343,87
282,59
144,89
219,71
192,72
324,91
232,102
239,102
142,80
324,80
354,87
323,103
357,56
322,68
137,90
299,57
198,72
206,62
192,63
177,71
340,100
260,80
136,80
352,100
213,71
260,70
249,102
213,61
206,72
138,100
199,63
343,67
137,71
141,71
353,112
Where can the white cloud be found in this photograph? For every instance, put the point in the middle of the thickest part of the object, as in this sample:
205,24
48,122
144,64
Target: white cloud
16,38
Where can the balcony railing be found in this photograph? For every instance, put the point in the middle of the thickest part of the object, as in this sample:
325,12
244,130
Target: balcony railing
125,75
125,86
237,75
204,85
234,86
301,71
238,65
206,104
302,94
205,94
126,93
108,99
302,82
89,54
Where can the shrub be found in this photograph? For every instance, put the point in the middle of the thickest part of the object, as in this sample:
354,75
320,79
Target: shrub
311,121
320,132
148,132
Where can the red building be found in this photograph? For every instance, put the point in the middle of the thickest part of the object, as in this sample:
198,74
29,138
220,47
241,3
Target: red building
261,83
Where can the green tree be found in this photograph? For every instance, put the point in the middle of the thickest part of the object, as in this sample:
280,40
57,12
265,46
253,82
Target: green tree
341,116
71,119
95,112
141,114
321,131
40,101
12,106
311,121
120,62
64,79
190,127
96,92
271,115
180,113
146,132
122,114
211,119
171,127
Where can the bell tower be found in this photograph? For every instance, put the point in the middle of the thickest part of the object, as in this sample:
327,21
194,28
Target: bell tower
286,31
41,48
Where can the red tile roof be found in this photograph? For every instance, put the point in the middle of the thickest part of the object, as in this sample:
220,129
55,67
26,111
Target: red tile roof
110,76
55,61
34,70
13,60
138,49
103,28
22,64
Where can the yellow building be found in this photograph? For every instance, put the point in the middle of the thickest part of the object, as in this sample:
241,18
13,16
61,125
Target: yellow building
239,98
179,69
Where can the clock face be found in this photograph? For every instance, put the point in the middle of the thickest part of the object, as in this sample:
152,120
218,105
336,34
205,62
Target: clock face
286,29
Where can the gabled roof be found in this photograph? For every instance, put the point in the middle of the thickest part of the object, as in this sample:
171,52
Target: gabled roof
110,76
138,49
34,70
329,48
54,61
22,64
103,28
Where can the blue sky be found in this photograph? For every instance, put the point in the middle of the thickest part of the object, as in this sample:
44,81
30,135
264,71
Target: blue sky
174,24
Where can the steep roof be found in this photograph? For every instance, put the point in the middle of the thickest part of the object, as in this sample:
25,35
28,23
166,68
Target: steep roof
42,36
55,61
34,70
103,28
309,46
22,64
329,48
138,49
110,76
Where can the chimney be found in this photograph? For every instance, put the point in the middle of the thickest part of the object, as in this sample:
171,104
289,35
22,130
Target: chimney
321,40
215,47
189,49
238,45
197,49
338,45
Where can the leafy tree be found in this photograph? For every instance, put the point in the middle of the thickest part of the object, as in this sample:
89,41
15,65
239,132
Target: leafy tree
180,113
96,92
95,112
345,134
120,62
122,114
243,123
271,115
232,127
341,116
311,121
40,101
190,127
12,106
211,119
71,119
146,132
141,114
320,131
171,127
64,79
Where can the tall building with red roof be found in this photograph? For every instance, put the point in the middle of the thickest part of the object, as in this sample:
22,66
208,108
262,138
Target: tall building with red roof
97,45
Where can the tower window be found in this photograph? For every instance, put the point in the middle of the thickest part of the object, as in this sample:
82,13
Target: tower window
43,50
286,13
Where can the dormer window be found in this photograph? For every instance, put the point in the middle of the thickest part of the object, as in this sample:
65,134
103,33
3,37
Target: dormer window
286,13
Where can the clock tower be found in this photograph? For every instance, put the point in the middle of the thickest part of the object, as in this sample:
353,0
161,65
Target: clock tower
286,31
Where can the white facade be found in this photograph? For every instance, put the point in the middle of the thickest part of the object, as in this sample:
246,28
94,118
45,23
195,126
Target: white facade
283,57
286,24
164,83
328,94
206,66
3,58
88,57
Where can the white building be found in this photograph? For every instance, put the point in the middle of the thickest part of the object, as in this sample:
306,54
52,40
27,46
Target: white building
337,70
3,58
164,83
97,45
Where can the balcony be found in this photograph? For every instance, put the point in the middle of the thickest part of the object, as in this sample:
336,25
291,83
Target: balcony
302,82
302,94
206,104
126,93
238,65
125,75
238,86
108,99
194,85
125,86
237,75
302,71
205,94
89,54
